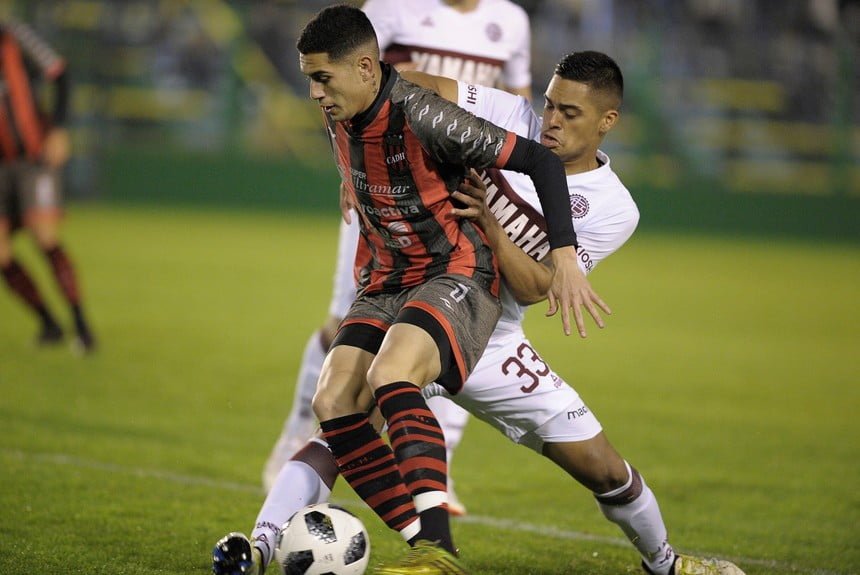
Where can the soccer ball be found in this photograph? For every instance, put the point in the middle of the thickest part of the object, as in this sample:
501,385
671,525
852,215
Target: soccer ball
323,539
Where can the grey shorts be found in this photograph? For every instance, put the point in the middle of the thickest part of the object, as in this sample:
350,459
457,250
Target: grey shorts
26,188
457,312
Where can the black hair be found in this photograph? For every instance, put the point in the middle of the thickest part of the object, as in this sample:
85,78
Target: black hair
595,69
336,31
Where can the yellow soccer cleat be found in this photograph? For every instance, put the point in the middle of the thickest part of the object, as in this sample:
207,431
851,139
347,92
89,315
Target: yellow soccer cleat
687,565
426,558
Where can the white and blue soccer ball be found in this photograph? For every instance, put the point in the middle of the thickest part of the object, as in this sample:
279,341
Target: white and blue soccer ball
322,539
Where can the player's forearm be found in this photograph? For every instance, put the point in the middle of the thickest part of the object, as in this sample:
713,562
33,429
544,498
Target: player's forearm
528,280
547,172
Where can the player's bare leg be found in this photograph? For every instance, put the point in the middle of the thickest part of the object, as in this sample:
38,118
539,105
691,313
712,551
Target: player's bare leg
22,285
44,228
626,500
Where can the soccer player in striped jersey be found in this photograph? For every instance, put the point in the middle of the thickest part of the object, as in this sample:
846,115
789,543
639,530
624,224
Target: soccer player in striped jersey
428,298
484,42
512,388
33,150
429,283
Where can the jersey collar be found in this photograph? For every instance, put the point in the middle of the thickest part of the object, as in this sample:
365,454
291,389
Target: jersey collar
361,121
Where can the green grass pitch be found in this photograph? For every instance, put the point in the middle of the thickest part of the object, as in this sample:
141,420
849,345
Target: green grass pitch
728,374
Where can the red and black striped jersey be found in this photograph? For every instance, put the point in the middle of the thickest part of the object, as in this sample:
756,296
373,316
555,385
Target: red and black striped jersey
24,57
401,160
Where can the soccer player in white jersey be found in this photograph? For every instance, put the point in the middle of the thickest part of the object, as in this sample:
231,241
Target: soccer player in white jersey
483,42
511,387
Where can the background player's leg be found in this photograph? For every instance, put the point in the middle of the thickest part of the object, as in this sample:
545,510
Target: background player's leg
452,419
301,424
22,285
621,493
304,480
44,225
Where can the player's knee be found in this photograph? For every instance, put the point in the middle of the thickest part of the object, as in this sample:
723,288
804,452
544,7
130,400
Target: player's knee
333,400
610,472
324,404
382,372
45,235
612,477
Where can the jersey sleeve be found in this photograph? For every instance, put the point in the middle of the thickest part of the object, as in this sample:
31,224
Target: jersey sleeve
509,111
50,64
383,16
452,135
517,70
603,236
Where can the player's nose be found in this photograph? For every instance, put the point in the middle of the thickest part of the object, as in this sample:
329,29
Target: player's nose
316,90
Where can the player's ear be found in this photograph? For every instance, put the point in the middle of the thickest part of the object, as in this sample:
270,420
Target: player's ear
607,122
365,67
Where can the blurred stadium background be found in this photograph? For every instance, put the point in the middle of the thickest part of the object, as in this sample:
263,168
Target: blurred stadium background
740,116
729,369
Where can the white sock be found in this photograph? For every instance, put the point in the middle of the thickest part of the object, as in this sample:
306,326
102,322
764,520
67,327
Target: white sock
297,485
643,525
301,422
452,418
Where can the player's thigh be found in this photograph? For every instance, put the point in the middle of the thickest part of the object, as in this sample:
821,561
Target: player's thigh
342,388
41,201
408,353
593,462
44,226
459,315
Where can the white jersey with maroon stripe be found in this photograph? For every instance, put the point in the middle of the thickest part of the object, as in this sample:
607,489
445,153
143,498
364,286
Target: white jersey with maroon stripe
511,387
489,45
604,214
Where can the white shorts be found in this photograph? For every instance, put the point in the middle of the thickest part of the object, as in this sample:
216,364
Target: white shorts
343,292
512,389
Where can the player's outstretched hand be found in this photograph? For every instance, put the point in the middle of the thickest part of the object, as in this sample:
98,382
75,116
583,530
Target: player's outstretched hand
571,289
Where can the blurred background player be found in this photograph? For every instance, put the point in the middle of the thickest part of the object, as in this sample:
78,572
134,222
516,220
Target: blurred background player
34,147
483,42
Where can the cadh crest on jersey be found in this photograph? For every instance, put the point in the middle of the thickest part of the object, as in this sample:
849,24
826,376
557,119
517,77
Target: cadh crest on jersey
578,206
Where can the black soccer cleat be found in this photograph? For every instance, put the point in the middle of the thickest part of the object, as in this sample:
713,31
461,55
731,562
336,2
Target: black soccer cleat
233,555
50,334
85,342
